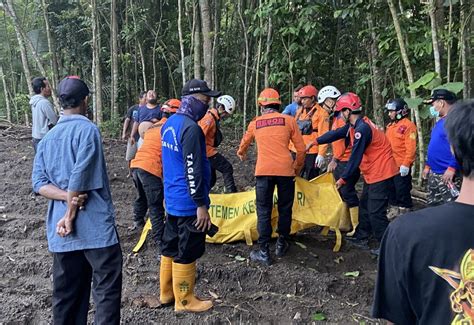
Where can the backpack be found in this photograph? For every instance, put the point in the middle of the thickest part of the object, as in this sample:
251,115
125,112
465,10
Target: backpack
218,137
306,126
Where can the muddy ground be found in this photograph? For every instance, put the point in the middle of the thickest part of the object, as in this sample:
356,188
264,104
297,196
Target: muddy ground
309,282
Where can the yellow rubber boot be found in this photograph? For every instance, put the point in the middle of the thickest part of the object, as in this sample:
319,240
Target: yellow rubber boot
354,213
166,281
184,279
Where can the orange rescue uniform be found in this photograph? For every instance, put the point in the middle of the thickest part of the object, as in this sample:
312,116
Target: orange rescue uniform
208,125
273,133
340,151
148,157
402,137
320,123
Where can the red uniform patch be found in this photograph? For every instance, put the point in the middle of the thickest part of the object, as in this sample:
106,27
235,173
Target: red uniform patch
402,129
277,121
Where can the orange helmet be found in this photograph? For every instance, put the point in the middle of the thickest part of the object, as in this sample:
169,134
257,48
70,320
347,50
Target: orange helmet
171,105
308,91
268,96
350,101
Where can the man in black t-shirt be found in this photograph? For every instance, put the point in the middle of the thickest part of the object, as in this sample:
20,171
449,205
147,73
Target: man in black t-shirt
130,117
426,263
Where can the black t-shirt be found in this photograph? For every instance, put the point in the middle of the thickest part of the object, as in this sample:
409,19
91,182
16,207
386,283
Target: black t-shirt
426,266
132,113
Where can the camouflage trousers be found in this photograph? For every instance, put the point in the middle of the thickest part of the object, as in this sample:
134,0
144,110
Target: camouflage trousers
438,192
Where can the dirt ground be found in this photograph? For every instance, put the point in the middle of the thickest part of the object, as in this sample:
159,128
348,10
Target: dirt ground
309,282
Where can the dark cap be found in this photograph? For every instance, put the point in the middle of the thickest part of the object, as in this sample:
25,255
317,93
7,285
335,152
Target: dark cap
72,90
195,86
440,94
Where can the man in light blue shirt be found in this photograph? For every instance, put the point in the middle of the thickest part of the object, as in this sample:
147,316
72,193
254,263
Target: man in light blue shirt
69,169
293,107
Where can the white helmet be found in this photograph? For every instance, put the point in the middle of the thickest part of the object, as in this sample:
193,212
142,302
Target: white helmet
328,92
228,102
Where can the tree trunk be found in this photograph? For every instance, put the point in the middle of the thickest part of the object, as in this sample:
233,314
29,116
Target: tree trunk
197,44
259,51
24,57
53,57
434,37
449,42
464,40
267,51
181,43
96,65
5,94
206,41
114,59
377,98
244,31
409,73
217,22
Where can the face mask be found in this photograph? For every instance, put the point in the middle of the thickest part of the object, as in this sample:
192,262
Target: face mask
193,107
434,112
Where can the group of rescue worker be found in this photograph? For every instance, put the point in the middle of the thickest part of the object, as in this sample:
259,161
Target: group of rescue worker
289,144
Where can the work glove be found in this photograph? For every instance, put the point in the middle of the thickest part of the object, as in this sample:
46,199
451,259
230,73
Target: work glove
404,170
319,161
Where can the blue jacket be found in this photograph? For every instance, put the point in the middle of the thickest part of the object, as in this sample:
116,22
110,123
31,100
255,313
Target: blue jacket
186,170
439,155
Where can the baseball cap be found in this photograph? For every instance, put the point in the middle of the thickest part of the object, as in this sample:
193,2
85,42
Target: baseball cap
195,86
72,90
440,94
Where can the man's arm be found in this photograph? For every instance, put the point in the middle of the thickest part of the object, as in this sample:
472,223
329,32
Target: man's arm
410,145
362,138
126,123
194,173
323,128
246,140
134,131
334,135
298,142
49,113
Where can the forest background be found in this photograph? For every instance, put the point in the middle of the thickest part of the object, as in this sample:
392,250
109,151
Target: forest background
379,49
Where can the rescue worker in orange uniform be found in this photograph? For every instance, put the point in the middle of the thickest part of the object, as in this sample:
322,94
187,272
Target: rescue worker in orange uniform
401,132
211,129
312,121
372,153
275,166
341,150
147,177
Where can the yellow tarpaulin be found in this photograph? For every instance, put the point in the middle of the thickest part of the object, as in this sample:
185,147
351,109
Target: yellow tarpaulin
316,203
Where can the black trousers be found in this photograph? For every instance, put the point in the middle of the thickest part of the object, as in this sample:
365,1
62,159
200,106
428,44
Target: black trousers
309,170
373,209
264,191
150,198
72,275
348,191
402,189
220,163
182,241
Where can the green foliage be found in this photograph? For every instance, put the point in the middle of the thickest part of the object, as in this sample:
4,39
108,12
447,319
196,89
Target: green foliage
318,317
111,128
425,79
455,87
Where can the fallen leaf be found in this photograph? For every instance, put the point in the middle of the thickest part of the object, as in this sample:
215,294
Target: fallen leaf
339,260
354,274
213,294
303,246
318,316
240,258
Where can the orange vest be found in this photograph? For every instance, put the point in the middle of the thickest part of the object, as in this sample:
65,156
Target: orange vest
320,123
148,157
377,162
273,133
402,137
208,126
340,151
